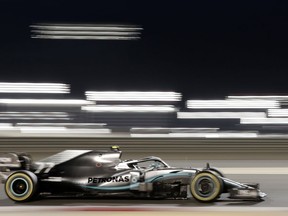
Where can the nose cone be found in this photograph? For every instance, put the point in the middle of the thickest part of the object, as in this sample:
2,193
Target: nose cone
262,195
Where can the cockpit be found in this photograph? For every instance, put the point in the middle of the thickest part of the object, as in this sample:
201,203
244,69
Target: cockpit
147,164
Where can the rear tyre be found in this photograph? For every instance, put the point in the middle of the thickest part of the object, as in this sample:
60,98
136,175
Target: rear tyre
21,186
206,187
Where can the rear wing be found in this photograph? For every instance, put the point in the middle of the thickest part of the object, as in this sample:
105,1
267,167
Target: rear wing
13,161
8,161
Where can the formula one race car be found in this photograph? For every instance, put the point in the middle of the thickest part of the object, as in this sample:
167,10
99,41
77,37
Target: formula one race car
102,173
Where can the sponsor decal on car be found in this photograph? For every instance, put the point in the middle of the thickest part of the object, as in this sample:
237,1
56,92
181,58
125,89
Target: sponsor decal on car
110,179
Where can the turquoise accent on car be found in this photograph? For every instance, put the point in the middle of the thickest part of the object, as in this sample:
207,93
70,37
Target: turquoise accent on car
185,174
152,179
126,187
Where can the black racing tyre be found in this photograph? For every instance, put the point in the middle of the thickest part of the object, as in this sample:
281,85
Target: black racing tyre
21,186
206,187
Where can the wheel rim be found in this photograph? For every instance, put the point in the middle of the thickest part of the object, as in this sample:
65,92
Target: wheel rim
19,187
205,186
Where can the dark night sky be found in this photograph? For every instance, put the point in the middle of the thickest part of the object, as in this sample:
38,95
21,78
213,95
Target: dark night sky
200,48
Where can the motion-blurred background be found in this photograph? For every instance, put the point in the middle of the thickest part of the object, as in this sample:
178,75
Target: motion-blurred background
165,70
202,49
189,81
148,69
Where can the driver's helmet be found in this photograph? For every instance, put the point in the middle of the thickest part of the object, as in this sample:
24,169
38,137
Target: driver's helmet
115,148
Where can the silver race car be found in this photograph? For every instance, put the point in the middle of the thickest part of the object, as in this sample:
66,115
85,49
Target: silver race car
86,173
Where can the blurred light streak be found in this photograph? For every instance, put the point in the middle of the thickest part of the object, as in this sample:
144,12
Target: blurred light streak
273,135
28,84
173,128
75,37
132,96
166,129
149,135
86,32
55,124
8,87
232,104
199,135
90,131
278,112
264,120
36,91
87,27
41,129
130,108
233,135
33,114
217,135
6,126
219,115
63,130
44,102
35,118
272,97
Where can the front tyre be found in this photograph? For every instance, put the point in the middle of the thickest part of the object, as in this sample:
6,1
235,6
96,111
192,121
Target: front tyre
21,186
206,187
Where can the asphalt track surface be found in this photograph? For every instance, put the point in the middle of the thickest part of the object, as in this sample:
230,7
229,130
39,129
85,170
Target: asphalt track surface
275,185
